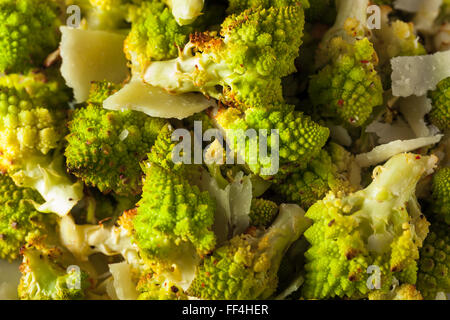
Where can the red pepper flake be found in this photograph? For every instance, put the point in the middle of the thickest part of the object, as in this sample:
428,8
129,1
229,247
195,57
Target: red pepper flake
418,157
364,61
203,285
208,274
341,102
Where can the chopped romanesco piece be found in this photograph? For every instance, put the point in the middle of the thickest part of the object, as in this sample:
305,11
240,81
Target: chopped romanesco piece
246,267
244,65
347,87
154,35
377,230
18,217
50,272
33,114
296,136
105,147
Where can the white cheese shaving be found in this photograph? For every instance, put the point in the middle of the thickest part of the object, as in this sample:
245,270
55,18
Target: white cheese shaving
88,56
419,74
156,102
386,151
414,110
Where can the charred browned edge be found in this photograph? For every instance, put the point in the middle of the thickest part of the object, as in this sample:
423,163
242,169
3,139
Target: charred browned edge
206,41
126,219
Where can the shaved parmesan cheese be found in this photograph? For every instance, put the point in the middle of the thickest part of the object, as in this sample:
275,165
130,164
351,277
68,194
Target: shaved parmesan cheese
388,132
124,287
419,74
414,110
91,56
386,151
156,102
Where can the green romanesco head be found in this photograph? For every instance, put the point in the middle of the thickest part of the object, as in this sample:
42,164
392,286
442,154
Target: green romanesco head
154,35
105,148
19,219
172,215
263,212
156,287
294,134
441,195
28,33
242,66
440,113
327,171
33,109
434,265
361,241
246,267
348,87
47,274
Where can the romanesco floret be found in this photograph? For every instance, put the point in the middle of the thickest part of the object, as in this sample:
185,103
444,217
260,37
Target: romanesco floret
105,147
441,194
347,87
246,267
299,138
33,113
327,171
434,264
172,215
154,35
50,272
28,33
19,219
440,113
378,229
242,66
263,212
